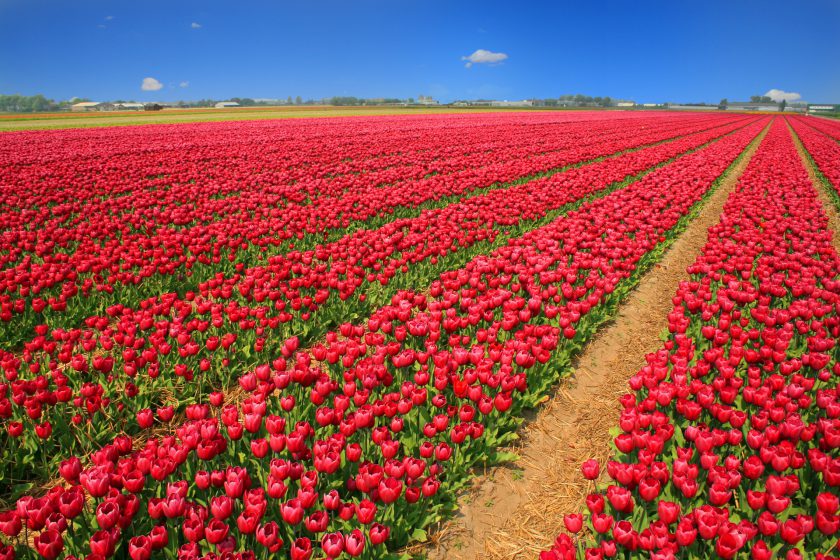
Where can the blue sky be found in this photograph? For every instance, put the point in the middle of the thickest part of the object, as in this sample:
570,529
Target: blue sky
645,51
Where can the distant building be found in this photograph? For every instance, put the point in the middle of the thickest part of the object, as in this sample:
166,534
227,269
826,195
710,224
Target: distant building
506,103
651,105
426,100
678,107
749,106
226,104
625,104
823,108
109,106
86,106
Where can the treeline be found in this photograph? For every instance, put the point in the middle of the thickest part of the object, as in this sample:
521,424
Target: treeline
249,102
580,100
27,104
362,101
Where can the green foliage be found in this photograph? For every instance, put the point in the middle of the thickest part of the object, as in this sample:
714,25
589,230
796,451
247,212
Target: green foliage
580,100
26,103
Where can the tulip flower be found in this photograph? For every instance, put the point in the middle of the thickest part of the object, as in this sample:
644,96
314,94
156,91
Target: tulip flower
573,522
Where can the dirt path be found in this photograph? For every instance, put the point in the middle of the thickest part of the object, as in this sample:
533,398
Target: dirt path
516,511
828,203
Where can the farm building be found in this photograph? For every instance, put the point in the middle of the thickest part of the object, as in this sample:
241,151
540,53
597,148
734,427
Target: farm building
749,106
506,103
426,100
625,104
678,107
823,108
86,106
106,106
226,104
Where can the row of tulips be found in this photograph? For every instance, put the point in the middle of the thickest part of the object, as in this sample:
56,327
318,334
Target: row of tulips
353,446
823,150
95,380
830,127
727,445
316,158
89,258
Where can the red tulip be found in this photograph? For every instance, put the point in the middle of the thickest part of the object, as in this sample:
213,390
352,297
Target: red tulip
301,549
378,533
573,522
590,469
49,544
140,548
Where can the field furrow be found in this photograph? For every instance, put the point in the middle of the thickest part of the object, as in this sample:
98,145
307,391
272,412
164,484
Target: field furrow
515,510
726,445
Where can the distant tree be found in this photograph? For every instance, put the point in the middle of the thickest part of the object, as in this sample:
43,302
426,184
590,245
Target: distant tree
782,105
289,100
606,101
298,100
346,100
26,104
724,102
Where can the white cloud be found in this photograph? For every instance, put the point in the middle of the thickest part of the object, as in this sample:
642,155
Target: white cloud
778,95
482,56
195,25
109,18
151,84
184,84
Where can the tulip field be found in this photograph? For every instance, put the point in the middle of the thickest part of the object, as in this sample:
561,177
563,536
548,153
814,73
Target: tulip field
727,445
302,339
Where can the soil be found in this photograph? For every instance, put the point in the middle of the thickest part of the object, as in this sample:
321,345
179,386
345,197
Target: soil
516,511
